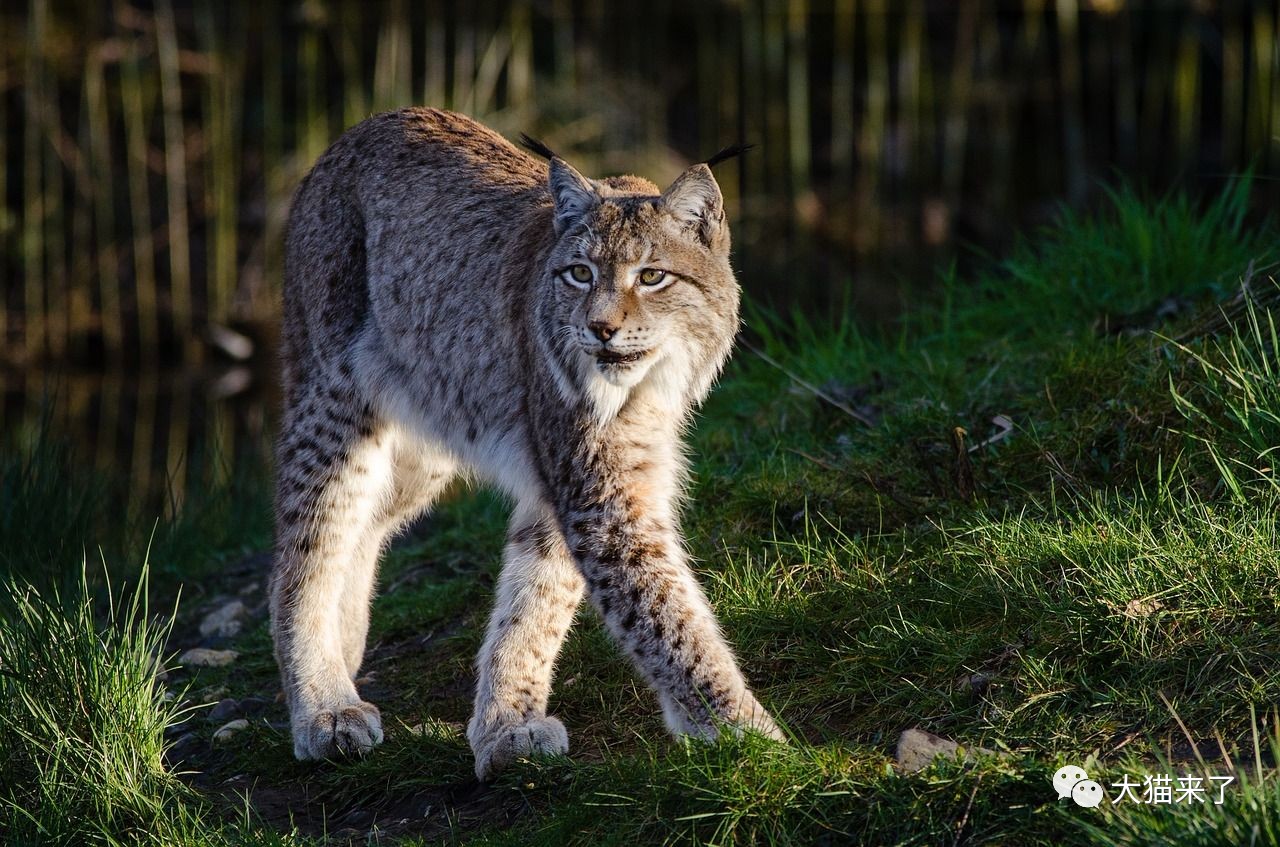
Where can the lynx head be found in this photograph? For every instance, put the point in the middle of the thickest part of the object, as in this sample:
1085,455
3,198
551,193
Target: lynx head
637,293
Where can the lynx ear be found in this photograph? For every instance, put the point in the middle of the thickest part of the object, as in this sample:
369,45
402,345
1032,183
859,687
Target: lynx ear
574,194
695,200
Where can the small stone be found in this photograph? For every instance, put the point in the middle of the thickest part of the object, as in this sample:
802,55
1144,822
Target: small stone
360,818
1142,608
234,344
203,657
975,684
229,729
184,740
183,746
224,621
226,709
253,706
174,730
918,749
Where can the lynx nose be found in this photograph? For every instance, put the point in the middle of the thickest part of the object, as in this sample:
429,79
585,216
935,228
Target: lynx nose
603,329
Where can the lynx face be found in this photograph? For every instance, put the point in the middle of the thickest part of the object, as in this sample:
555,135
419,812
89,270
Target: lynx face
638,287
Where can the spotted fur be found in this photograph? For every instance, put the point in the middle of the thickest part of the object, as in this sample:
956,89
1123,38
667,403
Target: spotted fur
430,330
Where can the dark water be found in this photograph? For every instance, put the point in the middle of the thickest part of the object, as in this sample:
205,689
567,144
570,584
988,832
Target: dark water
164,432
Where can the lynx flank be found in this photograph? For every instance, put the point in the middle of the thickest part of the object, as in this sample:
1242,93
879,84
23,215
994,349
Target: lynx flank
454,305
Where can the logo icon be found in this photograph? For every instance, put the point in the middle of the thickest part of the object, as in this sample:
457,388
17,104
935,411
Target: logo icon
1087,793
1066,777
1071,781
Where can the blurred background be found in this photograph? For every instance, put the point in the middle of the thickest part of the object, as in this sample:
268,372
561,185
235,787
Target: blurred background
149,152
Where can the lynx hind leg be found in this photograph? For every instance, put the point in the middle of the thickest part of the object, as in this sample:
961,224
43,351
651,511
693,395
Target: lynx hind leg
334,475
538,593
420,472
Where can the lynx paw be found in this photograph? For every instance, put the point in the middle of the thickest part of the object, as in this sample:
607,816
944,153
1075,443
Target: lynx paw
751,715
349,731
542,736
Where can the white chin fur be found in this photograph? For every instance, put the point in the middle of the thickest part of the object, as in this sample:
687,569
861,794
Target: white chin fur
626,376
663,377
608,388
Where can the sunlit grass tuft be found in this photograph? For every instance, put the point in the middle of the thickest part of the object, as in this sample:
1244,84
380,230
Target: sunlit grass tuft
82,720
1234,405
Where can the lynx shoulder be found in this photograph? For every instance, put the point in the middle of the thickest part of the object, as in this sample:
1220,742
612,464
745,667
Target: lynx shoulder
453,305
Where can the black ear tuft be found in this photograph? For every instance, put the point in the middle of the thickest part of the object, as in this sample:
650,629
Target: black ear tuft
727,153
537,146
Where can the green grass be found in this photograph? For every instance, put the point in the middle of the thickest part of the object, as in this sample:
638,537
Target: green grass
1095,583
83,720
82,727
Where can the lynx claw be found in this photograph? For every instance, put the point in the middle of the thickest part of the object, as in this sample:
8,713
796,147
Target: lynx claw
542,736
352,731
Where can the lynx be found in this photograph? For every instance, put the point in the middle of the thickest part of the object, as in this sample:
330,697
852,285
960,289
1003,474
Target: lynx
454,305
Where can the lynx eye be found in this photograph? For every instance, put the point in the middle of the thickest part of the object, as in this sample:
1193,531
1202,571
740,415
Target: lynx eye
652,276
580,273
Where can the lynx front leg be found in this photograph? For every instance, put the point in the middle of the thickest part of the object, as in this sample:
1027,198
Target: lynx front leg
638,577
538,592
